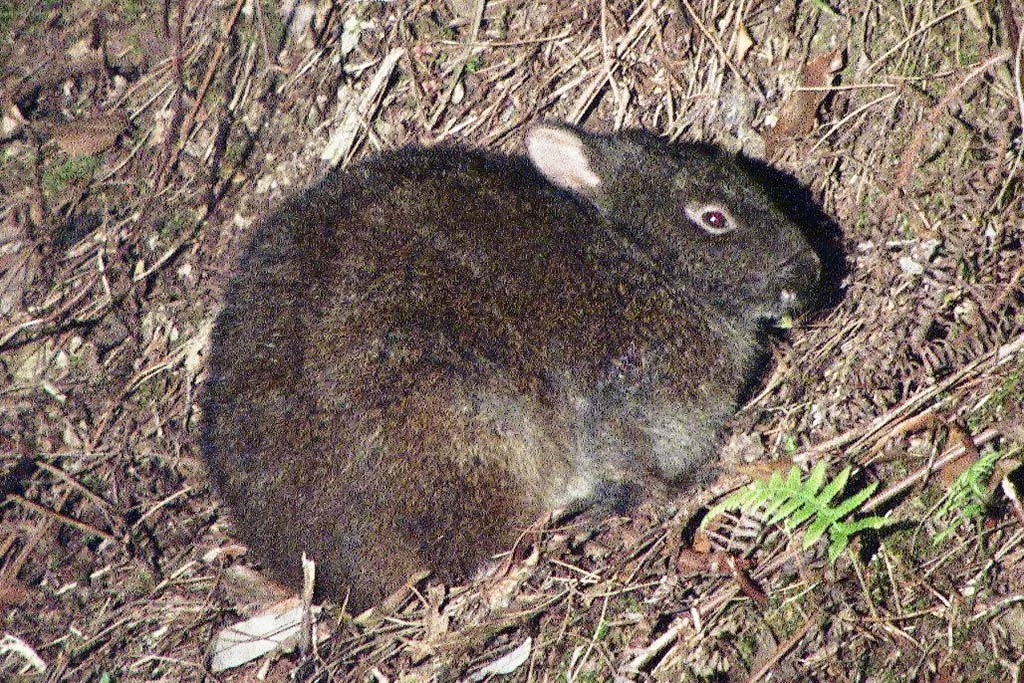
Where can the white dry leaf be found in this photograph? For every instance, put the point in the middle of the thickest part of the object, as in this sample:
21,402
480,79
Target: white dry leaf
925,250
350,31
743,42
506,664
302,20
276,628
910,266
161,125
11,121
359,111
193,349
15,645
19,265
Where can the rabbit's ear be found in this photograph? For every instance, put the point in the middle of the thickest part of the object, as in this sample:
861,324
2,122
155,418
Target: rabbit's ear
560,154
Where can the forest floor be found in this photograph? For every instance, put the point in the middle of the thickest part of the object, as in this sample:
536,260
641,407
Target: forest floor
140,141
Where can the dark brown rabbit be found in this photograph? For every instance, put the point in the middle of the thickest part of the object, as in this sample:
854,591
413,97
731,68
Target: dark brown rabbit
420,355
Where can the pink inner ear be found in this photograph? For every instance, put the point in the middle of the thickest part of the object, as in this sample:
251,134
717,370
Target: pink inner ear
560,156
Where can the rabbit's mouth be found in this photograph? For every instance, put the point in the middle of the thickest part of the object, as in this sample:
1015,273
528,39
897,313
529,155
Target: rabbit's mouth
788,299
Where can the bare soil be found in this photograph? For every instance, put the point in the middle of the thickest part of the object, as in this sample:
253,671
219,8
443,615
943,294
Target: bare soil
140,141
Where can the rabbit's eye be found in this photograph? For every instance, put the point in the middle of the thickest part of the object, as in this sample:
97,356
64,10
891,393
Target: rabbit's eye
712,218
715,220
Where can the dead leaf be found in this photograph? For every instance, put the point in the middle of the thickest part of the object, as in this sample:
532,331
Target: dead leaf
747,585
435,622
701,543
245,586
798,113
1012,484
507,663
1012,11
464,10
11,120
18,647
953,469
19,261
763,470
91,136
743,42
133,48
721,563
274,629
13,594
394,601
716,563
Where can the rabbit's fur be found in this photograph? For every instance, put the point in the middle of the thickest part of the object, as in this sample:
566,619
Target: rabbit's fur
422,354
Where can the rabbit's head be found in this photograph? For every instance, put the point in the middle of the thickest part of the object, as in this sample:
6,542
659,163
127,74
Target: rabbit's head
695,209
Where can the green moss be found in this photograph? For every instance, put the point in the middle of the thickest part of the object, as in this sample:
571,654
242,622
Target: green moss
236,153
75,169
8,13
132,10
1009,393
37,13
783,619
746,645
176,225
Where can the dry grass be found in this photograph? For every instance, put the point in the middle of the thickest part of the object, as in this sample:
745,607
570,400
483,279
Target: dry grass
140,142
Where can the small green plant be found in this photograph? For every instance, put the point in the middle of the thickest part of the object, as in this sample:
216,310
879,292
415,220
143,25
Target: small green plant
131,10
968,497
794,501
825,7
1010,392
8,13
75,169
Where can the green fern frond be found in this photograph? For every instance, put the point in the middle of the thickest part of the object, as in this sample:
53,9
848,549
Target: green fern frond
793,501
968,496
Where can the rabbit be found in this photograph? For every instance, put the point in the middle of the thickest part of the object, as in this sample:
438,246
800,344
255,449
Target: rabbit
421,355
